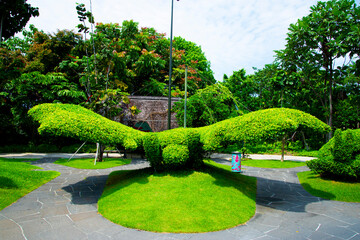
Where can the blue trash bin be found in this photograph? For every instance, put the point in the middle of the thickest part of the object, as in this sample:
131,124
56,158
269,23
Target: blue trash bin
236,162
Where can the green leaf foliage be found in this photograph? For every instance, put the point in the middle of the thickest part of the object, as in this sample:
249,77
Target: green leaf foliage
175,155
262,125
153,150
340,157
77,122
176,148
207,106
14,15
316,44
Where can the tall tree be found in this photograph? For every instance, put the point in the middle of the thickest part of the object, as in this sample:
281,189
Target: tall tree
207,106
200,73
48,50
22,93
244,89
14,14
315,44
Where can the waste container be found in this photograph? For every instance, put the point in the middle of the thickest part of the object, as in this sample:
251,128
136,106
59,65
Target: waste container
236,162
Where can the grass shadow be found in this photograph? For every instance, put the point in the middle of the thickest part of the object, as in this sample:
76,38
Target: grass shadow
318,192
7,183
225,178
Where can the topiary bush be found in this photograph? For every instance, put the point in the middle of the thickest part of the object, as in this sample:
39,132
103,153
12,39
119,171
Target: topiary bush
175,148
259,126
153,150
175,156
77,122
340,157
187,137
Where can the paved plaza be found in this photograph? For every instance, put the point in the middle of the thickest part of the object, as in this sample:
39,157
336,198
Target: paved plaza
66,208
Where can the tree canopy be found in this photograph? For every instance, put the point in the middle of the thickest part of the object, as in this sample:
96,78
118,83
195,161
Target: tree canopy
14,14
107,65
207,106
314,44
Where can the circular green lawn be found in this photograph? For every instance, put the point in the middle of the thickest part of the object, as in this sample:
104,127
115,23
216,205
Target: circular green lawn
184,201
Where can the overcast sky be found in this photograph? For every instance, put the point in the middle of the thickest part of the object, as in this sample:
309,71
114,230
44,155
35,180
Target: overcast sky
233,34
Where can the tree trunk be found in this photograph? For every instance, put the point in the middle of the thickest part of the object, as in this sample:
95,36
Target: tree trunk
100,150
1,27
329,75
304,140
330,102
283,148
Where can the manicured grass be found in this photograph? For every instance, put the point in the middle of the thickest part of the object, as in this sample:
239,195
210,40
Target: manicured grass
184,201
329,189
271,163
304,153
88,163
17,179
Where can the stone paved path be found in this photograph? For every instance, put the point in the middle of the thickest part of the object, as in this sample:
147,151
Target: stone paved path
66,208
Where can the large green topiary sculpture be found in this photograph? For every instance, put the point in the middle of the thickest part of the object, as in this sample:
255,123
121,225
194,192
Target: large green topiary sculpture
340,157
176,148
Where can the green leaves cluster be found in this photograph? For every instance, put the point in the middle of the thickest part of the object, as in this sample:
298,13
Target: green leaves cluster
207,106
22,93
14,14
176,148
77,122
317,72
84,15
317,42
262,125
135,60
340,157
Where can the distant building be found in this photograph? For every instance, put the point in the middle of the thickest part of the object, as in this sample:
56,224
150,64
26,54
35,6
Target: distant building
153,115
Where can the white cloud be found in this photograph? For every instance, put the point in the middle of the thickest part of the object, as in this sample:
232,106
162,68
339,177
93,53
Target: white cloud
234,34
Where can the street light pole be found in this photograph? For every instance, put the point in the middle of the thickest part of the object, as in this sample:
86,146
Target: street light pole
186,70
170,65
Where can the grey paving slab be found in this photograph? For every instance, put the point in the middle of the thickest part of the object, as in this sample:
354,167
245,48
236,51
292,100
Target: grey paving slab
66,208
355,237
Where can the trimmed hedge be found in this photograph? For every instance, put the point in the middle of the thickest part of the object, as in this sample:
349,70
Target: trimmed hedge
77,122
188,138
153,150
259,126
175,156
340,157
176,148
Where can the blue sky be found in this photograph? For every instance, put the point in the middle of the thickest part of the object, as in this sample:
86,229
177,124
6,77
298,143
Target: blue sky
233,34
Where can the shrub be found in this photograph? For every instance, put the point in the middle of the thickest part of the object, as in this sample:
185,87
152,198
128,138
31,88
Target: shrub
175,156
196,151
340,157
77,122
80,123
153,151
344,146
187,137
259,126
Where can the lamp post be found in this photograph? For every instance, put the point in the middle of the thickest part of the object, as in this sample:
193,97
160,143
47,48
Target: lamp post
170,65
186,70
